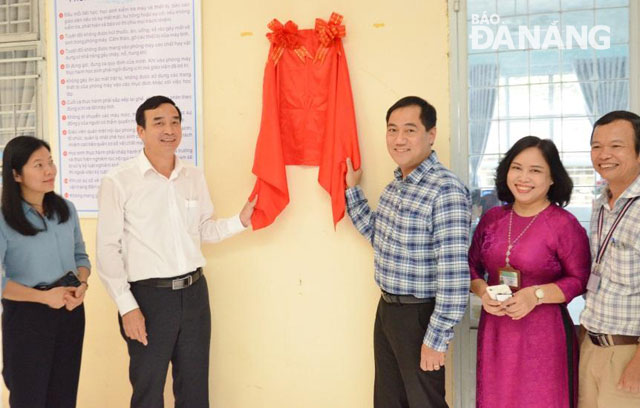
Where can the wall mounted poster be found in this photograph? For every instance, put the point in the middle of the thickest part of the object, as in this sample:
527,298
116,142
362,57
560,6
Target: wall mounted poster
110,56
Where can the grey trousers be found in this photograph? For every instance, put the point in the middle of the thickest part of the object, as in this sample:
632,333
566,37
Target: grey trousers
178,324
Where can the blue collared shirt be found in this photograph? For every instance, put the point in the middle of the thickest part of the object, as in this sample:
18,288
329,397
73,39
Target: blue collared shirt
420,234
46,256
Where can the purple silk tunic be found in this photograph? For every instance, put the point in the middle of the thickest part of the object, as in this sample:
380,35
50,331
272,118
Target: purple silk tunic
524,363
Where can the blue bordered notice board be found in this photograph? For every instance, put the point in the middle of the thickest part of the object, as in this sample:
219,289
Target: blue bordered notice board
110,56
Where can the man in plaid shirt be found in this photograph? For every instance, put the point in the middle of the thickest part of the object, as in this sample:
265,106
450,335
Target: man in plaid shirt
419,234
609,353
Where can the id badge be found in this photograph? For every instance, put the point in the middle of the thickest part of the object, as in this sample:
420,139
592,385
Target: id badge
510,277
594,282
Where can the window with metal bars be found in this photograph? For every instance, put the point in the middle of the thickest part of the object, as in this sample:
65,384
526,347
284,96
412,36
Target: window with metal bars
18,93
17,18
21,64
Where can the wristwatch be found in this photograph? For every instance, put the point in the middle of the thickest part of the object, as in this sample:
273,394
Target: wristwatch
539,292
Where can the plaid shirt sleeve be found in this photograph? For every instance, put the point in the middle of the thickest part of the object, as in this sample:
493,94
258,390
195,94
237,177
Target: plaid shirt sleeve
360,212
451,218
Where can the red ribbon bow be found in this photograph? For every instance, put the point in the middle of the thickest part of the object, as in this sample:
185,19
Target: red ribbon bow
327,33
285,36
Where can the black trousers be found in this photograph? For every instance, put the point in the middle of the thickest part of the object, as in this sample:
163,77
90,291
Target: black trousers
178,326
397,340
42,350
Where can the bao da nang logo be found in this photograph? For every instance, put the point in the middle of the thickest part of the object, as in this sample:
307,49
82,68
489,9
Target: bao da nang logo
488,32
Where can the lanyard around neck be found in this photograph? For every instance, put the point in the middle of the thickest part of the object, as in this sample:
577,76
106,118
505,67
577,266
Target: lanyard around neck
603,245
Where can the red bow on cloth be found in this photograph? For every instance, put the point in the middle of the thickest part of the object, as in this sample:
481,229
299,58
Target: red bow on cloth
327,33
285,36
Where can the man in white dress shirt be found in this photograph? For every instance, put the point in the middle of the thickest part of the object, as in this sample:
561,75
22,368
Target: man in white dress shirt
154,211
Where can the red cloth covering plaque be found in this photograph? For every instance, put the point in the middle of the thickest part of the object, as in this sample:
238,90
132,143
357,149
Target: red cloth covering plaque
307,116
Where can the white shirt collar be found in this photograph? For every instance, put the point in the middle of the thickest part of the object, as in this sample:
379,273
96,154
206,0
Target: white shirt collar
144,165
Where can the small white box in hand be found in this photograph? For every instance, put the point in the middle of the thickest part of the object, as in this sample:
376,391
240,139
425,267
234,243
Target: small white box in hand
499,292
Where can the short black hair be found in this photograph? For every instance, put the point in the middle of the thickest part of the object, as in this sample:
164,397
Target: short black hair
427,111
16,154
630,117
153,103
560,191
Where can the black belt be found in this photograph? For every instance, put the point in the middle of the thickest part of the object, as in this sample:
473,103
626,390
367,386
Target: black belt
177,283
69,279
404,299
608,340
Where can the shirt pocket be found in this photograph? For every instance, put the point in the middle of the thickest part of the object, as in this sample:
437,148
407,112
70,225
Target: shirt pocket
414,230
192,211
625,269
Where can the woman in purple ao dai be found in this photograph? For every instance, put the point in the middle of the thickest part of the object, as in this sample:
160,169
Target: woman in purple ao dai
527,348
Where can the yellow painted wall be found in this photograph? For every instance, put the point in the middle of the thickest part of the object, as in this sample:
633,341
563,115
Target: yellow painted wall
292,305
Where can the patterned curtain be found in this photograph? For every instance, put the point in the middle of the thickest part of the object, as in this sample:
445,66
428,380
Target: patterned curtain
603,83
483,82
